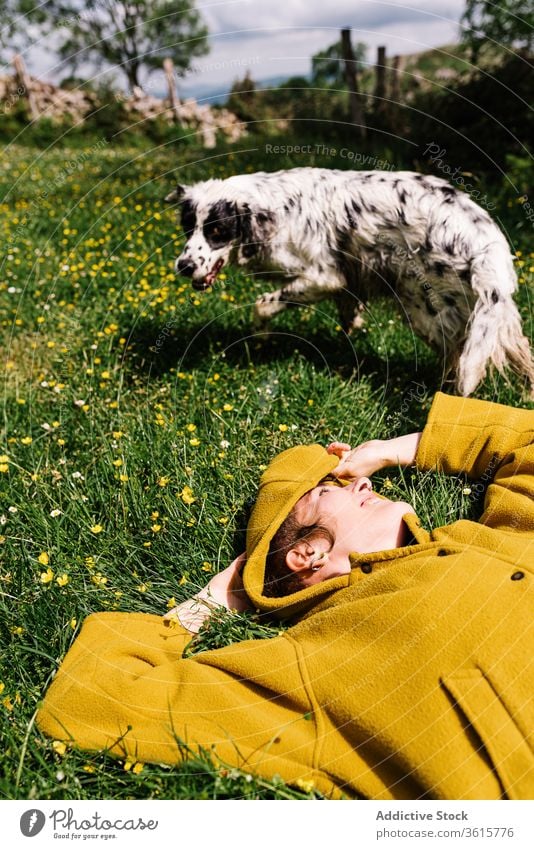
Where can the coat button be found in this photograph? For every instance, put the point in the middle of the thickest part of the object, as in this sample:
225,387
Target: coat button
366,568
517,576
441,552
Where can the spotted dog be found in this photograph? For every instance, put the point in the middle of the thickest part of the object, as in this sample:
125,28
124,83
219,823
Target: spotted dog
354,234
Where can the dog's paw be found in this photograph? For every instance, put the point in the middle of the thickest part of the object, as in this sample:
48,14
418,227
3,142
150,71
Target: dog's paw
357,322
266,306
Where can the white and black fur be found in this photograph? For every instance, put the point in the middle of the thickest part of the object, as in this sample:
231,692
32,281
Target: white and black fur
353,234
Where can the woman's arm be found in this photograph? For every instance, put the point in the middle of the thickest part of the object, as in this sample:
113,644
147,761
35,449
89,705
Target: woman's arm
490,443
224,590
483,440
370,457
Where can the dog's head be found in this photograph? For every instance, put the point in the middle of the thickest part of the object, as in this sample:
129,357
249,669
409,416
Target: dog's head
220,227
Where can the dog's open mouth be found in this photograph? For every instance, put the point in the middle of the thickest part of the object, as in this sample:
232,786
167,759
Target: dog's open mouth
209,279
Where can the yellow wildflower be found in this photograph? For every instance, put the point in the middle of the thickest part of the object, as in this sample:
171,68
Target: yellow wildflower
163,481
306,786
59,747
282,427
62,580
96,529
26,440
47,576
43,558
187,495
99,580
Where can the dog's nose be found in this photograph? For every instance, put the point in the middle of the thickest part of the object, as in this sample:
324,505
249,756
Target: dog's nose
184,267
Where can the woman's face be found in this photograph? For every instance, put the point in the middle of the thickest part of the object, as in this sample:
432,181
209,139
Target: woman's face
359,520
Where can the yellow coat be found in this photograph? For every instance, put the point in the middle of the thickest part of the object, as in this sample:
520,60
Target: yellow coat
412,677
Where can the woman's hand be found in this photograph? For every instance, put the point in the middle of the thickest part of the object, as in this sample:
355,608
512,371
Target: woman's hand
362,461
370,457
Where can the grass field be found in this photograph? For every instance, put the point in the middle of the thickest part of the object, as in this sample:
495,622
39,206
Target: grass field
137,416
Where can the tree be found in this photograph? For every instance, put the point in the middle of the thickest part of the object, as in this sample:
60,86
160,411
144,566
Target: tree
16,17
129,34
509,23
242,99
327,65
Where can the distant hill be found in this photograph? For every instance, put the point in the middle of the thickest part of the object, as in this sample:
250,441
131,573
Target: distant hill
209,94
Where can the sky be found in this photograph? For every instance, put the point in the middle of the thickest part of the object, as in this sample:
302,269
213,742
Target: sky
278,37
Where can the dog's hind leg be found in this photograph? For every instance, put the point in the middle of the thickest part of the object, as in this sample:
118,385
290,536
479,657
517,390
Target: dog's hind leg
494,334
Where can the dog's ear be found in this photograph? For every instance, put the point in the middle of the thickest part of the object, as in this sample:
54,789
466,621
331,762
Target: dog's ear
176,194
257,226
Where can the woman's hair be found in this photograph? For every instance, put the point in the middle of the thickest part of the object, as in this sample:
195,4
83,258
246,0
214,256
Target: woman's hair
280,580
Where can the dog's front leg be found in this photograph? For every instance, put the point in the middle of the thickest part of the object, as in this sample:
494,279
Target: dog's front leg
298,292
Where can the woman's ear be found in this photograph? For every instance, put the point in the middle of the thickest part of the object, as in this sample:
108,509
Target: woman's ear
305,556
299,557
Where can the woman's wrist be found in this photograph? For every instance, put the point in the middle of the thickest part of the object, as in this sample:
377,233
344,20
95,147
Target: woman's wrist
401,450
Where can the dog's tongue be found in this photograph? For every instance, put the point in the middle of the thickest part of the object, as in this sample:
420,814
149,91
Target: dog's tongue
211,275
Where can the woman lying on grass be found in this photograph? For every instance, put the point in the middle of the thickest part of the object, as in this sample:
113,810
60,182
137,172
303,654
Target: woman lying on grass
407,672
315,540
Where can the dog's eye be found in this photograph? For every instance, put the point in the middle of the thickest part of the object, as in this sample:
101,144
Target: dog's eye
215,231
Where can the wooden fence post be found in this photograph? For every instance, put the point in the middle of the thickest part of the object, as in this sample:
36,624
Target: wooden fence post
25,83
396,72
351,75
395,93
168,67
380,82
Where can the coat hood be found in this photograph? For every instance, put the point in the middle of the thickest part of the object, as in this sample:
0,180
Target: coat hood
287,478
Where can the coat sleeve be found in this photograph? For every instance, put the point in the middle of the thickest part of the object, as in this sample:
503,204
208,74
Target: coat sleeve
491,443
125,688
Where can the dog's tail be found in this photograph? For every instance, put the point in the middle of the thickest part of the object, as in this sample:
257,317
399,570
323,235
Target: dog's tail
494,334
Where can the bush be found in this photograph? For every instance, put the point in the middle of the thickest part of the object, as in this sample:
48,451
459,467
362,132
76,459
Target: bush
481,121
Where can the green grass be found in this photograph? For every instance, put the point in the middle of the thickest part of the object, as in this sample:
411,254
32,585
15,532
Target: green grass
122,387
